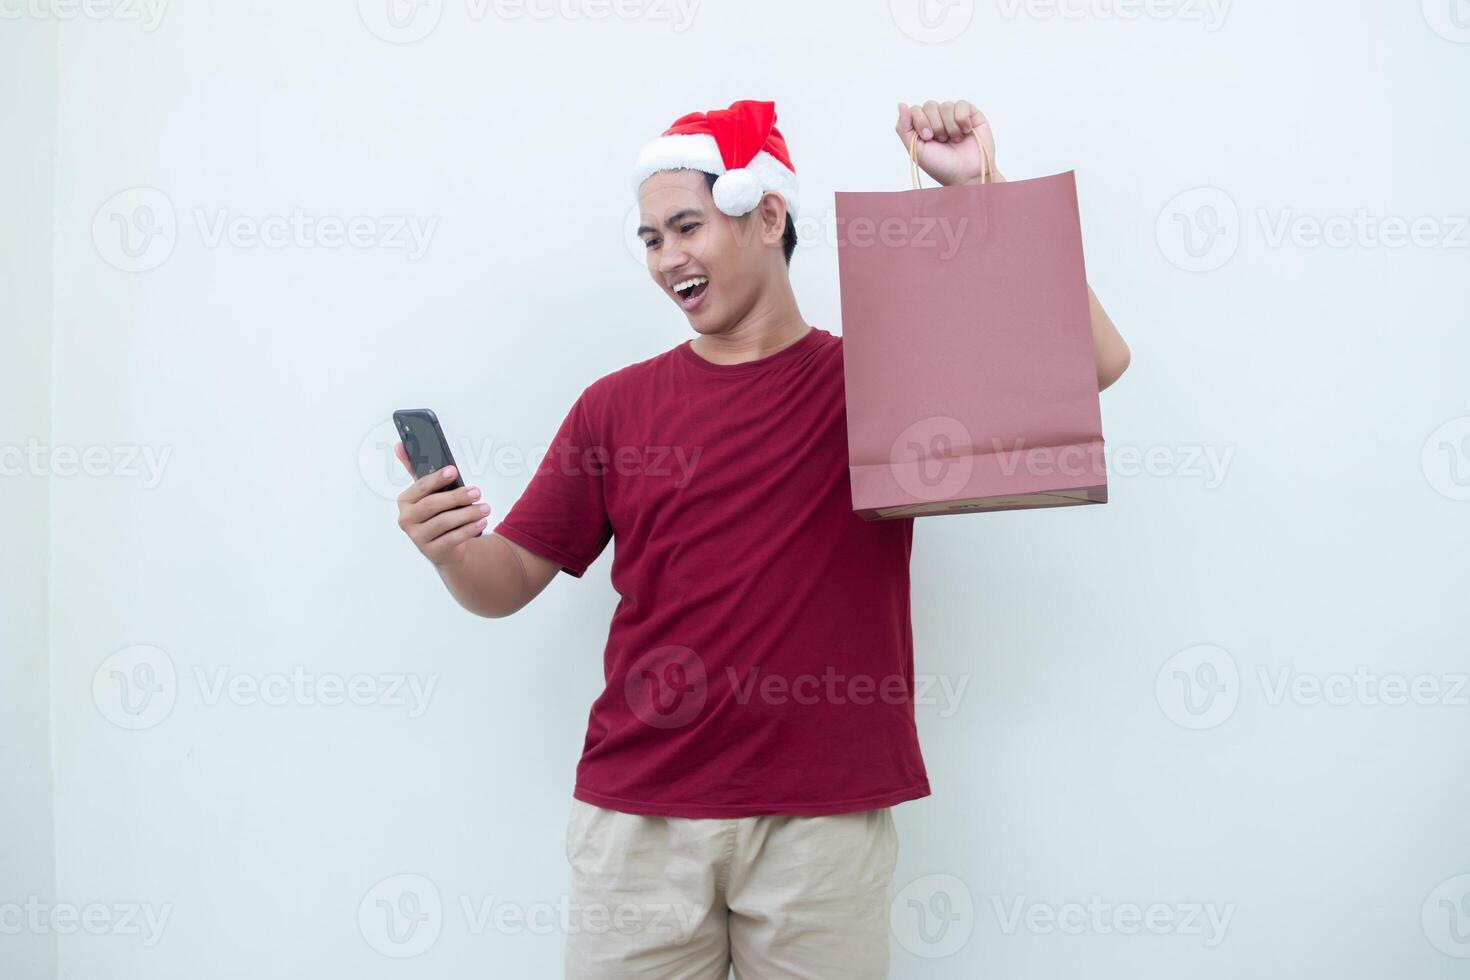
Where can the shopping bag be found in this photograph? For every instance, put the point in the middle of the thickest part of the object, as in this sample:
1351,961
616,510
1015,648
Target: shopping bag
967,349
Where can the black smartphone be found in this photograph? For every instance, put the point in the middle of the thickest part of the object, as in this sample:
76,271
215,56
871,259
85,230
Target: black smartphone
424,441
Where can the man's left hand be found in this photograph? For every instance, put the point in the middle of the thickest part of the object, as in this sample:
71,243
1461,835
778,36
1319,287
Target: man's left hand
947,150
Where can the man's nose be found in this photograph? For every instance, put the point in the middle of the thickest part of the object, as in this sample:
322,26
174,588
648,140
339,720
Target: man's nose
670,259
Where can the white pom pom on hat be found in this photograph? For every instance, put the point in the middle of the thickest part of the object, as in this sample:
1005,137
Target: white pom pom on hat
737,191
741,144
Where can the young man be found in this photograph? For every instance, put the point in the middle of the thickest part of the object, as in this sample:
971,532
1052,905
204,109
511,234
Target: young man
733,801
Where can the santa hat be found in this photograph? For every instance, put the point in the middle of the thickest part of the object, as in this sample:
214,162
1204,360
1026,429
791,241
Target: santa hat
741,144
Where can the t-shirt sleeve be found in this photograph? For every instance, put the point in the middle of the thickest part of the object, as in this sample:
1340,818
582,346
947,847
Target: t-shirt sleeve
562,513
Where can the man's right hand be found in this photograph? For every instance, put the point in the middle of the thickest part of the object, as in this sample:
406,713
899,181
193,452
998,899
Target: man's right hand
441,524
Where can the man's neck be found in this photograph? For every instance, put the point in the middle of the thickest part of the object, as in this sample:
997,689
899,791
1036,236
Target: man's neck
765,330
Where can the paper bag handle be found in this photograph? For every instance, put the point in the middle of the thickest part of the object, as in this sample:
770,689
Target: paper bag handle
985,169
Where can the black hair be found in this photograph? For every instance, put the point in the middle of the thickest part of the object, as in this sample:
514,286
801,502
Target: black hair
788,240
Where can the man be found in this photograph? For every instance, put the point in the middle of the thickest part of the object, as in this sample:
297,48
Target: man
733,802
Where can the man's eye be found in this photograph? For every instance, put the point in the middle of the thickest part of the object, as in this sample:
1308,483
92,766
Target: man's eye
650,242
684,230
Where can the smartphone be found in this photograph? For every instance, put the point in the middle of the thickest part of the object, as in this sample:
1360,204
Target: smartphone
425,444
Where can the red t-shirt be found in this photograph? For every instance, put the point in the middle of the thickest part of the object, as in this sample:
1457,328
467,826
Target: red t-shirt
760,659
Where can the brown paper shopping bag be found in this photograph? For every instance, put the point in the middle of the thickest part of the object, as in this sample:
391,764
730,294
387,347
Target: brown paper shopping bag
967,348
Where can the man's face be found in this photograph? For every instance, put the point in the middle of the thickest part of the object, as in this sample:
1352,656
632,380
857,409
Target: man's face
689,240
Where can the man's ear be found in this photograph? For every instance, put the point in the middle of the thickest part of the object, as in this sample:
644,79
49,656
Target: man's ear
772,214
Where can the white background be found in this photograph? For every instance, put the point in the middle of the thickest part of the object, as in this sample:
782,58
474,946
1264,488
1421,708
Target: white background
1327,381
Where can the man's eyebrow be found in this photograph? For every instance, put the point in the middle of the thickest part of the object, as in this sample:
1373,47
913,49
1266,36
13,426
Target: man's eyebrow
673,219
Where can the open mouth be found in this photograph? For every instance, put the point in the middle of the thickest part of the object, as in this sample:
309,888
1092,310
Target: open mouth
691,291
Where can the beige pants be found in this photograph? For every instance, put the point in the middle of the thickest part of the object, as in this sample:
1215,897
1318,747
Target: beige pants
683,898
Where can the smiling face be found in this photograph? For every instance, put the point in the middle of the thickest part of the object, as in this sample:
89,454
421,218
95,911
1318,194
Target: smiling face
715,267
